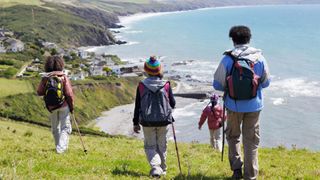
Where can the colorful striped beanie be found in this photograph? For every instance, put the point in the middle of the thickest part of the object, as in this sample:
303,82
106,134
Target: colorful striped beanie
152,66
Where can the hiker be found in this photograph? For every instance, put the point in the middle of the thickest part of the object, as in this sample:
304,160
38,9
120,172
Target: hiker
214,115
59,99
153,110
242,74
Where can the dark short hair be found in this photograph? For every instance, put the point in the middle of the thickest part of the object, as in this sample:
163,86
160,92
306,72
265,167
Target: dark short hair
240,34
54,63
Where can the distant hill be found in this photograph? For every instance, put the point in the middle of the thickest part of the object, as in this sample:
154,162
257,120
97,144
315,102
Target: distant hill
86,23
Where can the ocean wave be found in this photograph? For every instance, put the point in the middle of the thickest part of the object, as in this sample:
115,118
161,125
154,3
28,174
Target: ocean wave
131,43
278,101
188,110
132,32
126,20
182,112
93,48
296,87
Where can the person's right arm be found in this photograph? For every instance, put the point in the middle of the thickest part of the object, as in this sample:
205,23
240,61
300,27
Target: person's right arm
203,118
136,108
219,82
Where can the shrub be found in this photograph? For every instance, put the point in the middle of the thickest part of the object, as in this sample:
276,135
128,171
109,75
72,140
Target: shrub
7,62
9,73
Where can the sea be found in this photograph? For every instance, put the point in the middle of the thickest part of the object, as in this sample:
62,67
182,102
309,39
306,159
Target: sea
289,36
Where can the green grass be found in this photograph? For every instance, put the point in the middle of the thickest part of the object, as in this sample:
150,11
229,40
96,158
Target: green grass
91,98
28,153
14,86
8,3
3,67
52,24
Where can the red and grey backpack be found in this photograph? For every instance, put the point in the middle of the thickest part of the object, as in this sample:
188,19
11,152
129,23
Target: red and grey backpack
242,81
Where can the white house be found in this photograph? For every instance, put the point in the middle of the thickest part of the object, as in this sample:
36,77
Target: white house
49,45
2,48
32,68
78,76
97,71
5,33
83,54
116,69
15,45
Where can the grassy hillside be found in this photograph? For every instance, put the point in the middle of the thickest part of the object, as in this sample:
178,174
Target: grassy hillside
53,24
28,153
91,98
13,87
8,3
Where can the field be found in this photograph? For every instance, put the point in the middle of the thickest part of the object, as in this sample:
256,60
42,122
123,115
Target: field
8,3
14,86
28,153
91,98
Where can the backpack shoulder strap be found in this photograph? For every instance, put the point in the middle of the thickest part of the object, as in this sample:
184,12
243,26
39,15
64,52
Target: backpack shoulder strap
229,53
141,88
167,87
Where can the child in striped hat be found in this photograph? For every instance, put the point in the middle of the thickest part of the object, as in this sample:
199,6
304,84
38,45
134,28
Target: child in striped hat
153,110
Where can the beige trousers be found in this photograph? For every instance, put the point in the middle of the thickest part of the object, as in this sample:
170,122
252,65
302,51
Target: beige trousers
155,146
61,128
250,139
216,139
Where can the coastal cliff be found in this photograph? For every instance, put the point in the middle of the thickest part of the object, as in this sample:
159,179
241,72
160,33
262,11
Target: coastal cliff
86,23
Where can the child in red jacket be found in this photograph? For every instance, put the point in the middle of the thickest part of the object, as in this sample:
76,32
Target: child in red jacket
214,114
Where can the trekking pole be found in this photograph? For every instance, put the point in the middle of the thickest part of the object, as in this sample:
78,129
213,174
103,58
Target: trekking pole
175,142
75,122
223,134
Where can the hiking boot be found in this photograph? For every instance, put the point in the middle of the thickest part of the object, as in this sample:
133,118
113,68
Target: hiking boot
155,172
237,174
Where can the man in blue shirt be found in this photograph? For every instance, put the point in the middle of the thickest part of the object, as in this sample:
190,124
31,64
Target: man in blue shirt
244,111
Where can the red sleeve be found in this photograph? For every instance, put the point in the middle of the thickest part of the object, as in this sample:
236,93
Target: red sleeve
203,117
68,92
41,87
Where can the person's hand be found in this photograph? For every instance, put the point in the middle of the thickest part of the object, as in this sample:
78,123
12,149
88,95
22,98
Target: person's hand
136,128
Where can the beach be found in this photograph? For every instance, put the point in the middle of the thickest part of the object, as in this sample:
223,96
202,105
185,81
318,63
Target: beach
118,120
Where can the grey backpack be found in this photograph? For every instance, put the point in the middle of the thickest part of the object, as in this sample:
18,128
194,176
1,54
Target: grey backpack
155,109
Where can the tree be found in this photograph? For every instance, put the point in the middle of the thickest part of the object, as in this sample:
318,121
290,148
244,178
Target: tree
107,70
53,51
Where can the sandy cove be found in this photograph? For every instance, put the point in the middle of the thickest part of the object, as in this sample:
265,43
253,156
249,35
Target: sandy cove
118,120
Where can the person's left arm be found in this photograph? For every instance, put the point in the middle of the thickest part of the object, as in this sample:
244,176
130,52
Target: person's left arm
69,94
265,78
172,101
